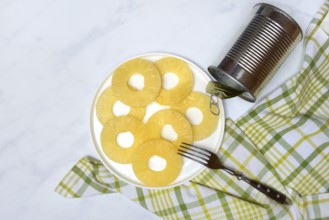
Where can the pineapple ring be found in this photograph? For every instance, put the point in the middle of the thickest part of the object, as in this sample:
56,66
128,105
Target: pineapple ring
185,85
109,135
130,95
105,104
177,120
160,148
209,123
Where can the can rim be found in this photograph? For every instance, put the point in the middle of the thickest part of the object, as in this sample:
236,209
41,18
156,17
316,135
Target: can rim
290,19
234,83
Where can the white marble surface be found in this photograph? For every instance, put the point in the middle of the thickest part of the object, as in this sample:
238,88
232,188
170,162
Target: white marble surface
53,56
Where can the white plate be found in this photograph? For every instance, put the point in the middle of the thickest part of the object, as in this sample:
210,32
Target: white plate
190,169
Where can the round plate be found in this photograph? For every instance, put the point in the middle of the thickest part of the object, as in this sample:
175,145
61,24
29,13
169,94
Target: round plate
190,169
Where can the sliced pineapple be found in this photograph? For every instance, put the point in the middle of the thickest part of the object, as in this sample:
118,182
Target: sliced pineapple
109,136
159,122
162,149
129,94
105,104
185,84
209,121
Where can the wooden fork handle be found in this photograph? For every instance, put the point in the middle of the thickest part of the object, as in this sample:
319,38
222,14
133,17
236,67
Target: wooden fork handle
270,192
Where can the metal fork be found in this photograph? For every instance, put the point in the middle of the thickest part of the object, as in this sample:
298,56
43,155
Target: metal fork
212,161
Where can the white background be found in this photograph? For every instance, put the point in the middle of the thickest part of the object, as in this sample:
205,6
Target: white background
54,54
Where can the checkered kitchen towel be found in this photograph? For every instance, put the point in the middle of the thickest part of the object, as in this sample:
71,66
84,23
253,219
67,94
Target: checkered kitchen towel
283,142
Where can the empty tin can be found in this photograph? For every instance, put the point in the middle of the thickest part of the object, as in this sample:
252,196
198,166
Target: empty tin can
256,55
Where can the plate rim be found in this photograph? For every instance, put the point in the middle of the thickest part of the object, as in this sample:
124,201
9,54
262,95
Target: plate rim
92,118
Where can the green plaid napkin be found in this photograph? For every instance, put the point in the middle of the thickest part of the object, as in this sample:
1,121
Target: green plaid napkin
282,142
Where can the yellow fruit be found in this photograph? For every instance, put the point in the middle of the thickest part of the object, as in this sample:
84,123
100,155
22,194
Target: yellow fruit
209,121
110,133
130,95
184,87
162,149
169,119
105,103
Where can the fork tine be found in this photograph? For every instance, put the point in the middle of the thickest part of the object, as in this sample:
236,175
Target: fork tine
191,158
196,149
196,155
193,152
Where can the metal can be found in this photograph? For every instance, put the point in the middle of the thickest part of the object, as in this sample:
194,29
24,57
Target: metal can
259,51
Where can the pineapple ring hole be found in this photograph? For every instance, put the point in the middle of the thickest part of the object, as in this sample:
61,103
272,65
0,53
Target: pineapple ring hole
120,109
169,133
169,80
136,81
125,139
194,115
157,163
